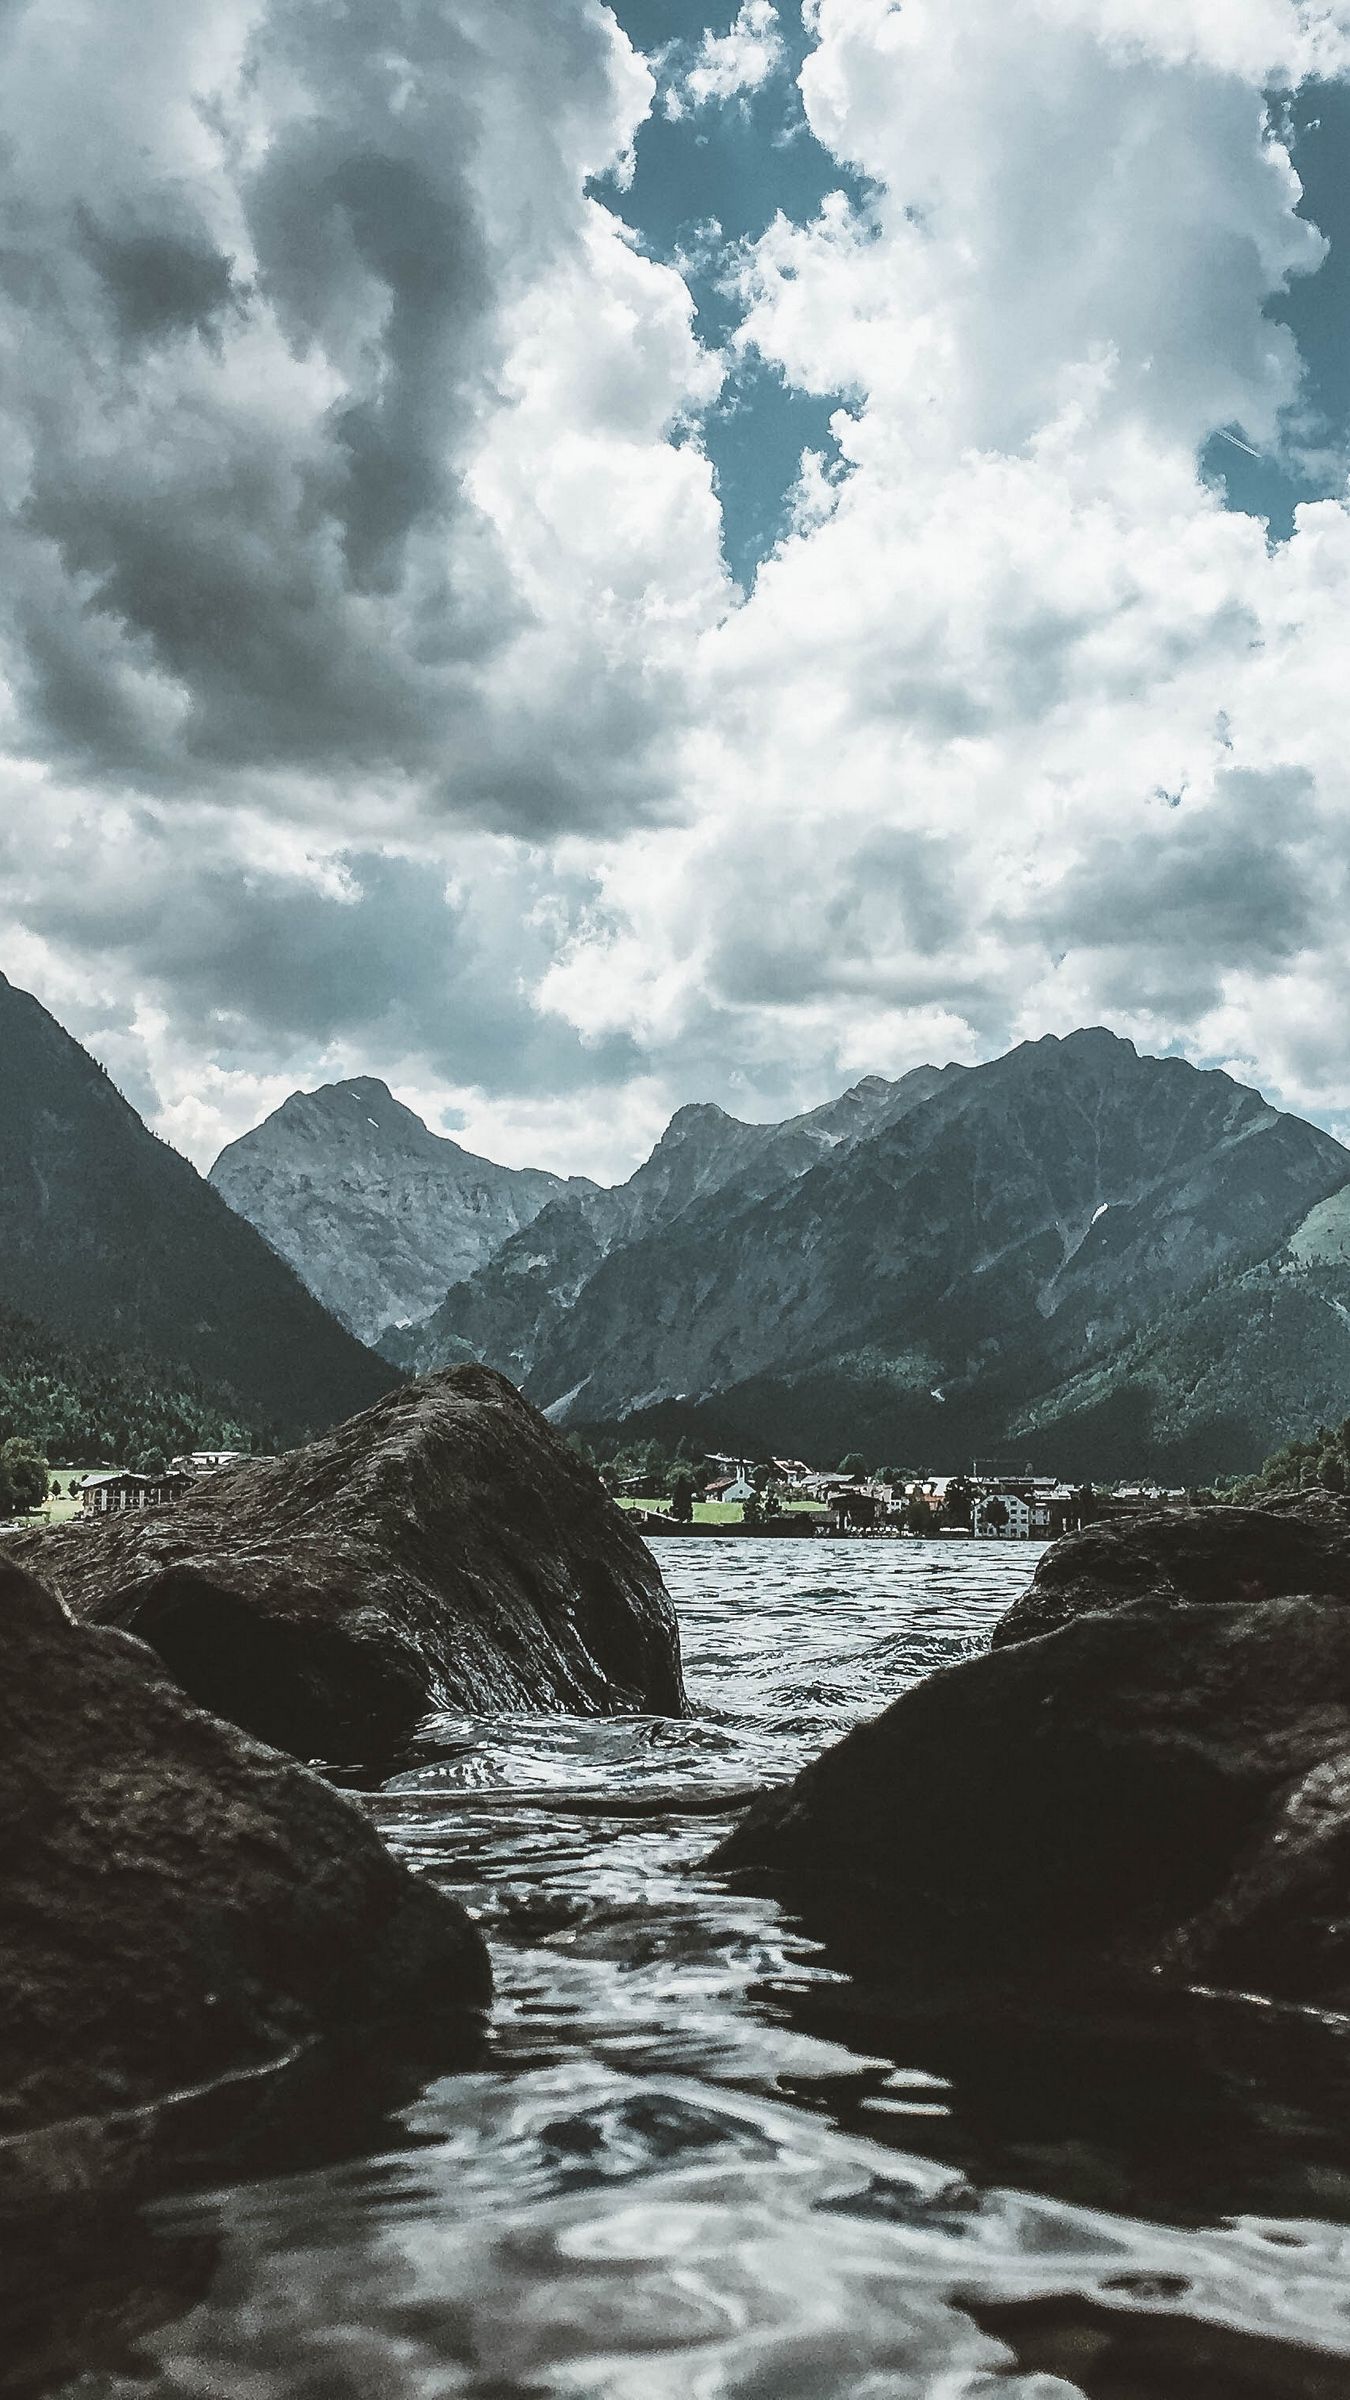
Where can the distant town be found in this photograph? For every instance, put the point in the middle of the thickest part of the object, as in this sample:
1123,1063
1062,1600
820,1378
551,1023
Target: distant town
992,1500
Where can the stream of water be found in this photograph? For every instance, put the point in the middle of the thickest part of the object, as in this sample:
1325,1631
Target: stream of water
694,2162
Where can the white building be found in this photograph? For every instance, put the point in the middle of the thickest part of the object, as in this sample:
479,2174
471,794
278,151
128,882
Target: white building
1002,1516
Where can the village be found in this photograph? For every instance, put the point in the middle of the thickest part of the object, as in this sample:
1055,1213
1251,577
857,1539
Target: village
990,1501
723,1493
111,1491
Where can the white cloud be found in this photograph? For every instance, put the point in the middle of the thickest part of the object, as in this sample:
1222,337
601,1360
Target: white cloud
943,739
726,66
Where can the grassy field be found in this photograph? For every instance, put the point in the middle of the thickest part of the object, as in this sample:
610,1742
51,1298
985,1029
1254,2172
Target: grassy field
60,1512
726,1512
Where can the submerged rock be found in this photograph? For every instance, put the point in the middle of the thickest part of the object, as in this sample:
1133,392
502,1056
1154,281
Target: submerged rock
1154,1795
179,1904
1221,1553
445,1549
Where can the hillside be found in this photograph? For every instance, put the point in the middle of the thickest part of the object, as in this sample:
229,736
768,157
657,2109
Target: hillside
989,1261
706,1171
377,1214
1253,1360
85,1406
112,1238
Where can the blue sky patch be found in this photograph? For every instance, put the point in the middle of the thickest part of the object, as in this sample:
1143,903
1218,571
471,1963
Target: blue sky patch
736,164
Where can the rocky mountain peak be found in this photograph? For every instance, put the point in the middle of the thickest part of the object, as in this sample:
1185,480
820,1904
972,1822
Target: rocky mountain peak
376,1212
1092,1049
697,1119
361,1107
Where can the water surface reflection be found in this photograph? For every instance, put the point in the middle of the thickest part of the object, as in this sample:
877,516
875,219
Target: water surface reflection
698,2160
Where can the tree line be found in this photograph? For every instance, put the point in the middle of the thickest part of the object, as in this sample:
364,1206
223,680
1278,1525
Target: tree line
89,1405
1320,1462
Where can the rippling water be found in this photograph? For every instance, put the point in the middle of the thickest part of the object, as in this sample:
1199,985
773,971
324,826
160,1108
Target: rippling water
695,2161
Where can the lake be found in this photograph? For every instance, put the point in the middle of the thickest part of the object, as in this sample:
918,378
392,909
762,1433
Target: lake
694,2161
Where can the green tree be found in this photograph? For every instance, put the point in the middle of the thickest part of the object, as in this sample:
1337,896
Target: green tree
23,1475
853,1464
920,1515
770,1503
1331,1469
995,1514
752,1510
682,1500
152,1462
958,1502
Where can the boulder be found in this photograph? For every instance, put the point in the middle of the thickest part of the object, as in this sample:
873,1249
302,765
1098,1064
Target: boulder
1155,1795
1203,1555
444,1550
180,1905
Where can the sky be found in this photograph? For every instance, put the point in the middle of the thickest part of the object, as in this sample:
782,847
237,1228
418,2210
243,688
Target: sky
582,559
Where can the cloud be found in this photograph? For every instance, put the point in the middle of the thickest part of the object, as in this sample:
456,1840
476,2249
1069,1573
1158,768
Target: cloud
725,66
940,734
377,696
265,300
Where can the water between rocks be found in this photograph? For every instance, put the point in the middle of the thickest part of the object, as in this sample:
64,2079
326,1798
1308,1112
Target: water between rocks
695,2161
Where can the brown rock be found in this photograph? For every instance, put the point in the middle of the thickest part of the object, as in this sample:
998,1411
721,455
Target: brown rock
445,1549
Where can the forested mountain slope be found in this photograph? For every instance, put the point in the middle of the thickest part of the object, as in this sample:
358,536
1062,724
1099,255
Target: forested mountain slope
108,1235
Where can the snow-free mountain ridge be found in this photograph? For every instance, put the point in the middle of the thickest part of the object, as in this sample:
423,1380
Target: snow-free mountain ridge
967,1259
1110,1262
376,1212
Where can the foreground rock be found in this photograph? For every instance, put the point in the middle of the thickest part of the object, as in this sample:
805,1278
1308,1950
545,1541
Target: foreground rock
1202,1555
178,1904
1158,1794
444,1550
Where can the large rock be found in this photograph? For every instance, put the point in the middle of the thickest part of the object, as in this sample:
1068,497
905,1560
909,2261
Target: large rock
1154,1795
445,1549
177,1903
1202,1555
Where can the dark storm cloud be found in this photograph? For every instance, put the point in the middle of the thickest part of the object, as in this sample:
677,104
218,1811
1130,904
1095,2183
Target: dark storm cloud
884,918
256,969
159,281
247,377
1198,893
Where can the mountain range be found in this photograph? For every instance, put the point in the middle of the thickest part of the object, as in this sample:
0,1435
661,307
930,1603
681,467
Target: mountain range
109,1238
1108,1262
1100,1262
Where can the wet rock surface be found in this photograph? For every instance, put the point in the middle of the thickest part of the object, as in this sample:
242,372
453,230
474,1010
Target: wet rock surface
1154,1796
1217,1554
180,1905
444,1550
